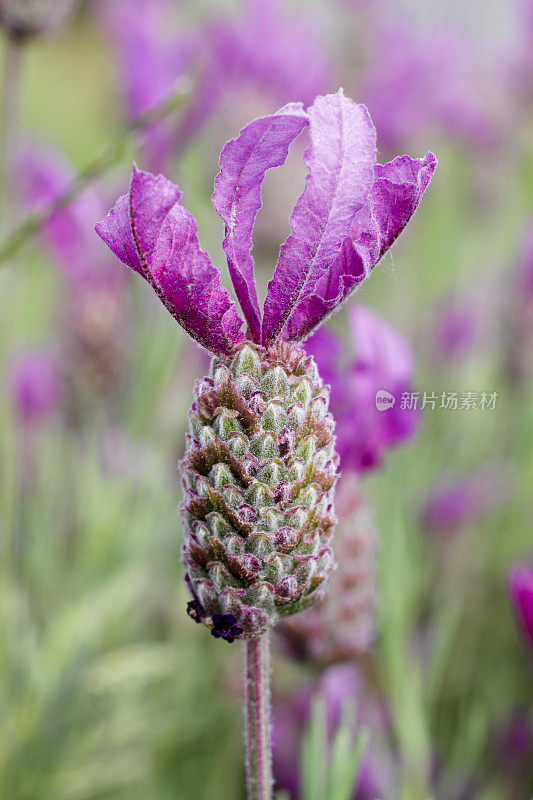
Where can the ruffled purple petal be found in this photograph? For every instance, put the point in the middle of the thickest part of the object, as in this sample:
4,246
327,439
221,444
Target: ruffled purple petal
151,233
340,161
244,161
391,202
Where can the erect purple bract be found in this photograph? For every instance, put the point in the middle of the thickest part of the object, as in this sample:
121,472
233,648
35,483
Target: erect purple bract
349,215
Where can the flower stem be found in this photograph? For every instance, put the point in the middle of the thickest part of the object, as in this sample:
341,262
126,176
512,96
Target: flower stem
258,743
11,124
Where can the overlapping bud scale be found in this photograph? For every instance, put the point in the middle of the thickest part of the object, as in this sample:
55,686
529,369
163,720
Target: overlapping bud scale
258,480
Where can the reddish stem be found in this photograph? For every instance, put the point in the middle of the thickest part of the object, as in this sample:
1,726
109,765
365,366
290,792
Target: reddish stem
258,728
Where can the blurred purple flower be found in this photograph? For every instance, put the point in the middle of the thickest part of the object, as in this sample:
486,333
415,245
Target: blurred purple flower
337,685
465,501
36,387
45,175
154,53
384,363
419,82
521,589
268,47
349,215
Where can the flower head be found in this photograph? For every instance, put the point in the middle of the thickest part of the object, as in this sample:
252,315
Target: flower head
521,588
260,466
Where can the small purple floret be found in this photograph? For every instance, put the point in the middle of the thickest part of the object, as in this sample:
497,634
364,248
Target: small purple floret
225,627
195,610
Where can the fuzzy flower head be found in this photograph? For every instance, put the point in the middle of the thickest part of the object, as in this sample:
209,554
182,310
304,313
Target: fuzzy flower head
24,19
260,466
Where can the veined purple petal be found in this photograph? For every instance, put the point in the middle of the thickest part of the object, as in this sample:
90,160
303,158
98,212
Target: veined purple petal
262,144
151,233
340,160
391,202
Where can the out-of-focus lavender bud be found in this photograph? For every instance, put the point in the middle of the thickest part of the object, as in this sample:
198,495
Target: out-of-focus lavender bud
338,685
341,627
36,388
513,750
459,503
521,588
456,329
26,19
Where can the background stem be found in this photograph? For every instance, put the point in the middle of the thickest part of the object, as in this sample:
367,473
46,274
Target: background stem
11,127
258,728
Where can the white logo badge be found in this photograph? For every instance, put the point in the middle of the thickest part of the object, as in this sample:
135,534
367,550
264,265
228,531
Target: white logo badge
384,400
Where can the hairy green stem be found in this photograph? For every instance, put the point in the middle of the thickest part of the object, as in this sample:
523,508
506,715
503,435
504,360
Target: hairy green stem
10,126
258,728
104,161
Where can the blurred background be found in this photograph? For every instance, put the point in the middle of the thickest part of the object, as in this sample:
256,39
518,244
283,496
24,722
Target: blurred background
107,690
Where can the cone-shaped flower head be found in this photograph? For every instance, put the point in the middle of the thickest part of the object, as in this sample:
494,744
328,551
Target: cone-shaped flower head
260,466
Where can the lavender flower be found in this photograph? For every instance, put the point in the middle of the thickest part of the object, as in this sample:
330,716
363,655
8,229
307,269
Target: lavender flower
260,467
384,362
24,19
35,386
521,588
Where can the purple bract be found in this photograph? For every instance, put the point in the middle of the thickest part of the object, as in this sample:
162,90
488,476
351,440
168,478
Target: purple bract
349,215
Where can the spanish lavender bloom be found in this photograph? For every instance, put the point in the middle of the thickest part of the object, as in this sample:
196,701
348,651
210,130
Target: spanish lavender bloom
260,467
521,588
422,82
338,685
24,19
36,388
384,363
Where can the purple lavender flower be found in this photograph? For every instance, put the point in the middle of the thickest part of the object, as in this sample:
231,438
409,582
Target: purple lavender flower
521,588
384,363
260,467
36,387
456,329
421,82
